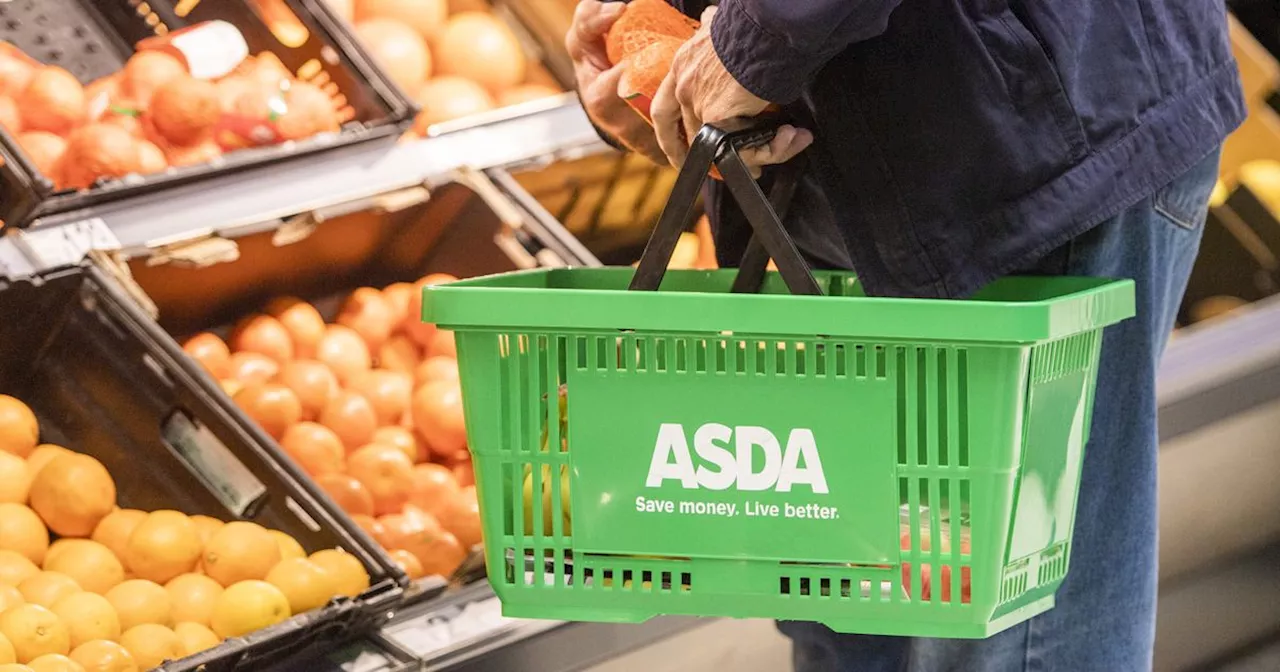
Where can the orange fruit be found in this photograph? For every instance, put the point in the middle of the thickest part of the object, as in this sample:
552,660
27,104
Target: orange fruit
351,417
442,99
151,645
90,563
438,367
114,530
305,584
348,493
272,405
433,485
139,601
301,320
46,588
399,353
240,551
386,472
350,575
195,638
408,562
367,312
193,597
402,439
146,71
312,382
15,567
315,448
104,656
45,151
438,416
7,654
399,49
94,567
72,494
251,367
42,455
185,110
387,391
15,667
289,547
460,515
420,534
343,351
10,596
88,616
53,101
248,606
54,662
99,151
15,479
21,530
370,525
494,57
19,430
206,526
163,546
210,352
34,631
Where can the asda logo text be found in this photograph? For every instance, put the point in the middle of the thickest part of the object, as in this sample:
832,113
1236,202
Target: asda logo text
726,459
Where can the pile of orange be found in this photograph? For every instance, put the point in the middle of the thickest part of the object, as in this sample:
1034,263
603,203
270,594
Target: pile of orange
370,407
455,58
86,585
152,114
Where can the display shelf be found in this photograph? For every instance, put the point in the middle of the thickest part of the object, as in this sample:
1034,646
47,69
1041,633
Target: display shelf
466,632
330,184
1219,369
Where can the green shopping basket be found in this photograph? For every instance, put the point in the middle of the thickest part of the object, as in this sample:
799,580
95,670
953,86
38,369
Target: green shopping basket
777,445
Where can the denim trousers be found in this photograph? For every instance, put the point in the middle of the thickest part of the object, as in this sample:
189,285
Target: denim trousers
1104,620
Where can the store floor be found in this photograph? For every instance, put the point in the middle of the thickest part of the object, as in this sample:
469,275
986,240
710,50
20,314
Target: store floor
756,646
741,646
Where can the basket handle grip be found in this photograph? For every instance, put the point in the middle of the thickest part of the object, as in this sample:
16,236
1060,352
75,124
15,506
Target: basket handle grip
719,144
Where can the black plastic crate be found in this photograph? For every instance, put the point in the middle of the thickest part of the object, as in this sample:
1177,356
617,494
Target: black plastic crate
105,380
94,38
456,231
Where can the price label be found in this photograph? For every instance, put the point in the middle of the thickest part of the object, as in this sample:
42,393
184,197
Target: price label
436,632
67,244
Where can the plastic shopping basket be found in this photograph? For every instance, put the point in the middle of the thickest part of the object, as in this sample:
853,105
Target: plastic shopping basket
778,445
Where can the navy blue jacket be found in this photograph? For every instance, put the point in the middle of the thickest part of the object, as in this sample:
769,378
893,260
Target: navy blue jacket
959,140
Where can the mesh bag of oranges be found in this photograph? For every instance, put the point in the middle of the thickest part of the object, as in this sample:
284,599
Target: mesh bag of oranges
745,443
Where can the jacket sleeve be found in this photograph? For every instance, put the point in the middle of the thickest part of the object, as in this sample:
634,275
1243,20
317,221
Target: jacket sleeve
775,47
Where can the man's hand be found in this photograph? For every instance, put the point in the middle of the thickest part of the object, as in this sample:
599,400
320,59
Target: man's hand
700,90
598,80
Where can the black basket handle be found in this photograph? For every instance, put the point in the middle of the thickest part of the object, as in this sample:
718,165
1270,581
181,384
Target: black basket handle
719,144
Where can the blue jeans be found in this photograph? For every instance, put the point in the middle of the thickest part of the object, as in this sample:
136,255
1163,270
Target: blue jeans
1104,620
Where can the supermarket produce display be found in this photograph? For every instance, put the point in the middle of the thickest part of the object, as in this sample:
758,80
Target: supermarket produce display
214,278
144,90
160,530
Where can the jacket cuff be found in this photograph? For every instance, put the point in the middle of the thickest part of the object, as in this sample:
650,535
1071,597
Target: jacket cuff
762,62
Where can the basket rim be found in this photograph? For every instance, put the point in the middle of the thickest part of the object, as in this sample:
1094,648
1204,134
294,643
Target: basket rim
544,300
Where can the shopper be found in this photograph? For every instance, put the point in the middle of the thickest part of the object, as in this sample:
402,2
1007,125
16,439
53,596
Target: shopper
958,141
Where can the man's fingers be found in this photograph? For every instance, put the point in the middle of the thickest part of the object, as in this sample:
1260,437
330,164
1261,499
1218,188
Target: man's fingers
786,145
585,39
668,123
